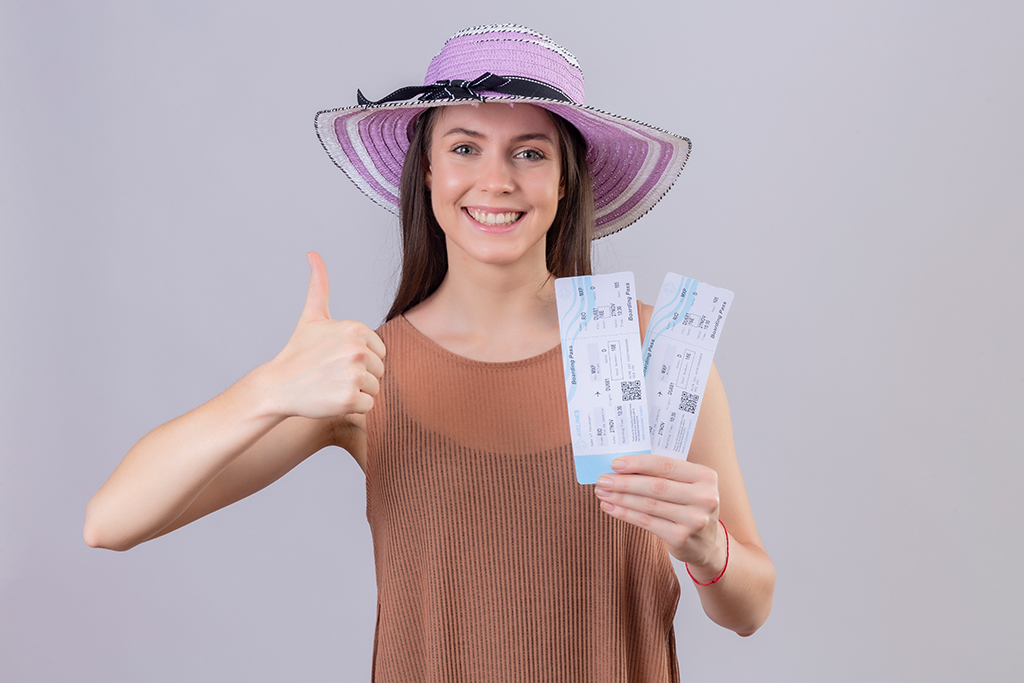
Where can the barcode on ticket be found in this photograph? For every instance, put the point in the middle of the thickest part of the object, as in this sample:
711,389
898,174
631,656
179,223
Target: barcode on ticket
631,391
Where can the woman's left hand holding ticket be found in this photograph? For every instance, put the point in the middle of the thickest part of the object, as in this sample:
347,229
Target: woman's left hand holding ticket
674,499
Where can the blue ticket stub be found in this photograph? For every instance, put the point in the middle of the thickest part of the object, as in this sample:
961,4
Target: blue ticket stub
604,381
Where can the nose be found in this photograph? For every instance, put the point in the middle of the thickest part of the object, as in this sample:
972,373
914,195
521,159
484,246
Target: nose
496,174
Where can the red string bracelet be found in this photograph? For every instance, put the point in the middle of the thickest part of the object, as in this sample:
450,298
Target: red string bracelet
722,573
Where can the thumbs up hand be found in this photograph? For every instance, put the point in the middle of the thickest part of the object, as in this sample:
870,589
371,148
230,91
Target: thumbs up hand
328,368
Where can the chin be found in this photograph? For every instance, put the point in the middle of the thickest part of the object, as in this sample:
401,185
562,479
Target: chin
501,257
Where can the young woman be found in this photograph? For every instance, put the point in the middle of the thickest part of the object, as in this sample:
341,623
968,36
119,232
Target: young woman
492,563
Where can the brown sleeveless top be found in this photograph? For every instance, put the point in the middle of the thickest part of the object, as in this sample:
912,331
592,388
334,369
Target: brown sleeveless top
493,564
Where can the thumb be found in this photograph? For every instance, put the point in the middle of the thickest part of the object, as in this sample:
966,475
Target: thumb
316,296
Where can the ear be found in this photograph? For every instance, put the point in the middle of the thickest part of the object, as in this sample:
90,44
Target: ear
561,189
428,178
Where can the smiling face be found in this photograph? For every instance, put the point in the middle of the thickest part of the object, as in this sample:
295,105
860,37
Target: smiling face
494,176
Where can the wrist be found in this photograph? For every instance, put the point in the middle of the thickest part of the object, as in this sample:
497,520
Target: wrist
260,387
713,569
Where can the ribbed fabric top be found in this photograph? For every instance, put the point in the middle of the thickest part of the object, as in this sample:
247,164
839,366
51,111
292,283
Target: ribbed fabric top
492,563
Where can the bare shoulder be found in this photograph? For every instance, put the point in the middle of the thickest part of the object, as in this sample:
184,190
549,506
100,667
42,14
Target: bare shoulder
644,311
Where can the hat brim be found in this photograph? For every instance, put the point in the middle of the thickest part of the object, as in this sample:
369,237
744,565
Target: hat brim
632,164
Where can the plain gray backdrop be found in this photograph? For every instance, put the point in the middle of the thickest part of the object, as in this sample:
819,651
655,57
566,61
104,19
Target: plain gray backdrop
857,178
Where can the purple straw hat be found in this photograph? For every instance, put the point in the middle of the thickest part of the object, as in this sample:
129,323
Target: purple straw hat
632,165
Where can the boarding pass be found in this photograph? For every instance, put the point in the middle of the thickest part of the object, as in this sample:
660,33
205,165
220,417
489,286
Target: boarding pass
679,345
604,381
613,409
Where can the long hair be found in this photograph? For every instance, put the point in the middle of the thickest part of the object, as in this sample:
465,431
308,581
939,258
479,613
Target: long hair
424,254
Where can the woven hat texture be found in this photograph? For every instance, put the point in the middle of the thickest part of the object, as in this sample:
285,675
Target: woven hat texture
632,164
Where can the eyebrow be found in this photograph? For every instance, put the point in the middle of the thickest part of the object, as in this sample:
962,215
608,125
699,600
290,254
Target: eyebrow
519,138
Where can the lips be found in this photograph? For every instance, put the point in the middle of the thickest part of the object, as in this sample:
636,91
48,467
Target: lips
494,219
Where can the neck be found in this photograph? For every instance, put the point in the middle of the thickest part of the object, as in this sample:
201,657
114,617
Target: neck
491,312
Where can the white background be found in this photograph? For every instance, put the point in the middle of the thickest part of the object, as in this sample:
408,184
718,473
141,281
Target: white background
857,178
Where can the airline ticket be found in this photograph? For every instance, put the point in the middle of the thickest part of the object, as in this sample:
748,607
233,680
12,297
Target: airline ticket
679,345
604,377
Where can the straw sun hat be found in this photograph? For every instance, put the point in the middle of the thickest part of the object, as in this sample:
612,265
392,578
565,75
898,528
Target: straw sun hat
632,165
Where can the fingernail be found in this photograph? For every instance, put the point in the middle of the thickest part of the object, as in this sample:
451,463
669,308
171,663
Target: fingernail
605,482
607,507
618,464
601,493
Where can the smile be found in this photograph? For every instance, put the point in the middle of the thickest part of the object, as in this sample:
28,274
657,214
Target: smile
492,219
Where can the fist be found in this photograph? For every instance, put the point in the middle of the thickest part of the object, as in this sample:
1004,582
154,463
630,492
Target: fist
328,368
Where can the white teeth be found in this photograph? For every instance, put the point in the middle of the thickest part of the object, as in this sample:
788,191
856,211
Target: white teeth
506,218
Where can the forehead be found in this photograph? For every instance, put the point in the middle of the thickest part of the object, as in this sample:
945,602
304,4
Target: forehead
494,119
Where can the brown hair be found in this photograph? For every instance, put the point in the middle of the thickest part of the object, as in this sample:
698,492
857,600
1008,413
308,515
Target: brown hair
424,254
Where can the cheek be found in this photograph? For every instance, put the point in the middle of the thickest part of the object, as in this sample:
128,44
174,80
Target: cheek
445,180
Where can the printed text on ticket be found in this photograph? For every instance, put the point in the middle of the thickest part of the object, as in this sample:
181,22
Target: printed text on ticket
604,380
679,345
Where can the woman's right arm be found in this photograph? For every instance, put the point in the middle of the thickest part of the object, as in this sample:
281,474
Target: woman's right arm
314,393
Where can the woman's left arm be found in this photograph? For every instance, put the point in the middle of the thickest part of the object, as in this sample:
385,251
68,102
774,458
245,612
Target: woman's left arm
682,501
